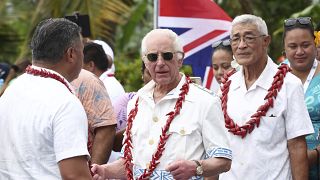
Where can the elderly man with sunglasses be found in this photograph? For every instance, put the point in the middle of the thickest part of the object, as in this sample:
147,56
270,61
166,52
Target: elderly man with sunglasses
175,128
264,110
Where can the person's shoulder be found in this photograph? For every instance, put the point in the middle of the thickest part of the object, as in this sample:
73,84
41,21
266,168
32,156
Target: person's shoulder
86,76
112,82
124,99
88,79
200,90
292,79
202,95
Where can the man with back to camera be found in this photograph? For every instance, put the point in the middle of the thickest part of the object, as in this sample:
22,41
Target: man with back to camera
105,71
96,102
43,124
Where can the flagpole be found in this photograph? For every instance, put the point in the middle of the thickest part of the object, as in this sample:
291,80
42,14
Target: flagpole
155,13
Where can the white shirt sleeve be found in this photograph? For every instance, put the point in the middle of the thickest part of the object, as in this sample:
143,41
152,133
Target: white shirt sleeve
70,131
297,119
214,133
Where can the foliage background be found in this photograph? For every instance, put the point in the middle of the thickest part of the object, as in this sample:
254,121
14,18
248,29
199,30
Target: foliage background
123,23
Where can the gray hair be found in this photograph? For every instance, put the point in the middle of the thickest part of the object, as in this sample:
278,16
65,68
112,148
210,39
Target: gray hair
251,19
177,44
52,38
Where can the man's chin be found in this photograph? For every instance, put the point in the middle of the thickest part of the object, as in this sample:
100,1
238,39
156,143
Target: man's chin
162,81
243,61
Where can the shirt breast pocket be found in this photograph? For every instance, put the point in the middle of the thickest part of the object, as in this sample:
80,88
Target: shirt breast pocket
178,141
270,129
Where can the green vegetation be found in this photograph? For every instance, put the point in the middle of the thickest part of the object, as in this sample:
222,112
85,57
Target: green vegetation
123,23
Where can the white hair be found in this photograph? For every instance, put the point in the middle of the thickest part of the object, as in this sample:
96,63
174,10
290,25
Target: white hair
251,19
177,45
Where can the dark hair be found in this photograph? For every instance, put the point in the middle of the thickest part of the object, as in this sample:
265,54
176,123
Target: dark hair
94,52
222,45
296,25
226,48
52,38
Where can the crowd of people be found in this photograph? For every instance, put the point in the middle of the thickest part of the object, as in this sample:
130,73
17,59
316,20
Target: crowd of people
66,116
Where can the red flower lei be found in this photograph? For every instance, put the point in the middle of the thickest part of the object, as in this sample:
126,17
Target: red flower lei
262,110
163,137
46,74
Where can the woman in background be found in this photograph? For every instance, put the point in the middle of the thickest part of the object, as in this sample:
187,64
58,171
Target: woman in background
221,58
300,49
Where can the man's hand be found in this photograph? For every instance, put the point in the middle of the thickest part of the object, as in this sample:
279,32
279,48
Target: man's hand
98,171
114,170
182,169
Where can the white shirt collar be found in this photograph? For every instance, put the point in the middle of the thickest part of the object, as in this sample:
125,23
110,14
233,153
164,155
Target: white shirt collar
265,79
146,92
54,72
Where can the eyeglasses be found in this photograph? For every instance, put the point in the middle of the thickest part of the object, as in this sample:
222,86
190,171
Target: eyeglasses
223,43
249,39
301,20
167,56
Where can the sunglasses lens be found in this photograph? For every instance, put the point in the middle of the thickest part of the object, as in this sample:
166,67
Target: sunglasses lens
152,57
167,56
226,43
304,21
290,22
216,44
294,21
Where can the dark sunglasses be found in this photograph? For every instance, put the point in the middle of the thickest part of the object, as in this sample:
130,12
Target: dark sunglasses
223,43
301,20
167,56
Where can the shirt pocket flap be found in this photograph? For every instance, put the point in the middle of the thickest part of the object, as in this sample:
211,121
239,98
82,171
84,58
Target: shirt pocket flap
182,130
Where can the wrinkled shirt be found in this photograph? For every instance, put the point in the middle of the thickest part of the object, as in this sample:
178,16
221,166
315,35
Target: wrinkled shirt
196,133
263,154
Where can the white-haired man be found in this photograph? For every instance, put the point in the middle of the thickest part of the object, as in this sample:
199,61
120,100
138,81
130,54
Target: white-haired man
175,128
264,110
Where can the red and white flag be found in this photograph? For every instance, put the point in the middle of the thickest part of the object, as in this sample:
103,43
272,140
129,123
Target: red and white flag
199,23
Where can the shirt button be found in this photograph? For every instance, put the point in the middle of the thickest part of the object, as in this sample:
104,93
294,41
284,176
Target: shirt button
182,132
151,141
155,119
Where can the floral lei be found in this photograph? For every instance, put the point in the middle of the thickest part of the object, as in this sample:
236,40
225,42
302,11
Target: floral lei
163,137
46,74
262,110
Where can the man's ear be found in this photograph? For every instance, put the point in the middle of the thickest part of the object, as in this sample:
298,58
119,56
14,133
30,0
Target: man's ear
70,54
90,66
267,40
